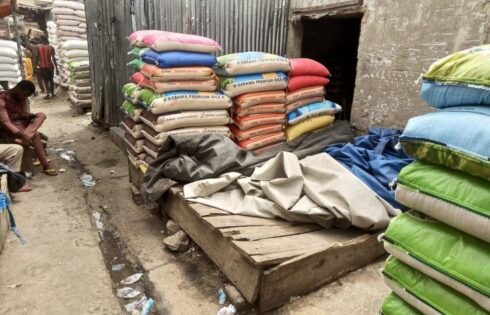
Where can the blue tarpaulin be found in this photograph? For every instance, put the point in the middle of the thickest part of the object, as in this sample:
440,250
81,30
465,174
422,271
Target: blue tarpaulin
376,159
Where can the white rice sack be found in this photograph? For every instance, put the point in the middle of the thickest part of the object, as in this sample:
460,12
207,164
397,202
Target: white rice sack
62,23
10,74
8,44
8,60
77,102
186,120
75,44
178,101
82,25
251,62
80,90
82,97
8,52
80,13
159,138
73,53
69,17
63,11
74,5
234,86
9,67
74,29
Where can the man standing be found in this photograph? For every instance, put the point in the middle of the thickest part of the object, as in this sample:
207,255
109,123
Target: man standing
16,119
32,47
46,62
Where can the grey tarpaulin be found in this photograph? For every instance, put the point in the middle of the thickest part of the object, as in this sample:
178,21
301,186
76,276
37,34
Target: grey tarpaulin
188,159
316,189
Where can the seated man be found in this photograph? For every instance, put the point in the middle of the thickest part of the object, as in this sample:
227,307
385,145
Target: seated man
11,156
15,118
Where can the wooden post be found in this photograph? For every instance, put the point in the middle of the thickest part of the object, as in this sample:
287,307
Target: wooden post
17,37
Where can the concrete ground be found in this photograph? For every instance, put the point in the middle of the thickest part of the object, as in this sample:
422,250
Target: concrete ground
66,265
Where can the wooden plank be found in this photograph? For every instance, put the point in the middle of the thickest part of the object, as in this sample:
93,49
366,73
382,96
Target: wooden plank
306,273
253,233
206,211
297,242
274,259
221,222
244,275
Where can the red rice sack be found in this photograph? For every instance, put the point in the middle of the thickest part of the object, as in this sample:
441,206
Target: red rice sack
135,144
151,149
271,108
303,81
185,119
168,41
306,66
262,141
305,93
251,99
157,74
132,127
251,121
242,135
159,138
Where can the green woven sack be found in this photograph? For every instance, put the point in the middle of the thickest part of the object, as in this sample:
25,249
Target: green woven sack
130,88
136,64
394,305
425,292
453,197
457,259
147,96
129,108
471,66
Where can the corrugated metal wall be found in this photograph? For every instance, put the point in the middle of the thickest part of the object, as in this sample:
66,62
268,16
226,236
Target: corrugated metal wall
238,25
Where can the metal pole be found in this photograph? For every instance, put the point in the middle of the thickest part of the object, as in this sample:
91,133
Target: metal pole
17,37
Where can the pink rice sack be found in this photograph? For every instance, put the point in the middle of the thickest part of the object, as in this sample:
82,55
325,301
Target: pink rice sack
166,41
136,38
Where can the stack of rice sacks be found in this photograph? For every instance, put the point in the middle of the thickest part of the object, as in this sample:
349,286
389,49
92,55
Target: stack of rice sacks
9,62
177,86
440,250
70,25
256,81
53,41
80,84
306,107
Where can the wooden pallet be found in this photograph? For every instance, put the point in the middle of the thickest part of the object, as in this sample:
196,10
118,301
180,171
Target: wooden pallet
270,261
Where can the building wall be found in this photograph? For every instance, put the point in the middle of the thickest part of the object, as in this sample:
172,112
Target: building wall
399,41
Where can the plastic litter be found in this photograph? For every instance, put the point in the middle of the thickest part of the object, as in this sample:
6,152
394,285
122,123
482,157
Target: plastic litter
136,305
227,310
62,170
67,157
88,180
68,141
132,279
127,293
221,296
13,286
118,267
148,306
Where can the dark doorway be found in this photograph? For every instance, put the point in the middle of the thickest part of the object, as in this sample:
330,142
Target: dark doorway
334,41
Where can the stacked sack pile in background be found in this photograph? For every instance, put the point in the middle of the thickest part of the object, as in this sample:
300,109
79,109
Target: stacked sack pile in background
441,249
70,25
9,62
53,41
177,87
256,81
306,107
